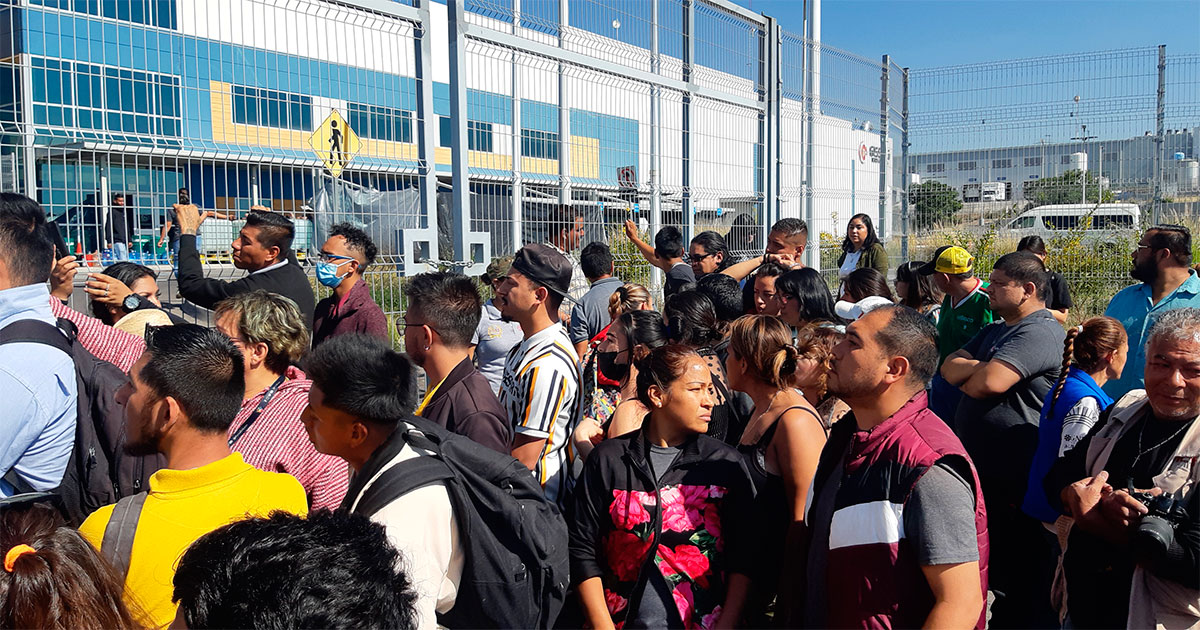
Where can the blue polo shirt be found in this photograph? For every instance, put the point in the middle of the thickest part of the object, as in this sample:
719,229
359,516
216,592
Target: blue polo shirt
1132,307
38,394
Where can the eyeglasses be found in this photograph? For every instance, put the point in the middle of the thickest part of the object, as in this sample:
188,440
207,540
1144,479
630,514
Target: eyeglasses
402,326
691,258
325,258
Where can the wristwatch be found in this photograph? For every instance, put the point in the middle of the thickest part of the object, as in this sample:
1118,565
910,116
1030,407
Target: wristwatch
131,302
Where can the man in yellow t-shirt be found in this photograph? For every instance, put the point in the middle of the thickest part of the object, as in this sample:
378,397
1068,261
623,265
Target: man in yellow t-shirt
184,392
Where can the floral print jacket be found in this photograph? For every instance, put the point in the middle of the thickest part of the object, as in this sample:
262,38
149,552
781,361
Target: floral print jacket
691,526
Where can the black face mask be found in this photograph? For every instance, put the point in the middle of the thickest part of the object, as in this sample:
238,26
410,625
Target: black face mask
607,366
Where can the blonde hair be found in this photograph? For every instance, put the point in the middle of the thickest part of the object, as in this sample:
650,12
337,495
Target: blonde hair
816,342
764,342
628,297
271,319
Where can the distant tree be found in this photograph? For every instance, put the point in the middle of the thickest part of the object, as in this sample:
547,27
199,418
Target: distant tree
1066,188
933,202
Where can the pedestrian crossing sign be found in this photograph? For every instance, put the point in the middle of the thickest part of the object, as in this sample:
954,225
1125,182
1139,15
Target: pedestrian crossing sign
335,143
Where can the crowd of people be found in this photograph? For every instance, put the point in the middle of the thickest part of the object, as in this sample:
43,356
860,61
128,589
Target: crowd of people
750,450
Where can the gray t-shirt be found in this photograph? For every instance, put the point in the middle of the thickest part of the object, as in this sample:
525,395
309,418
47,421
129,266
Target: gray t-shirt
493,339
1000,432
657,603
590,314
939,518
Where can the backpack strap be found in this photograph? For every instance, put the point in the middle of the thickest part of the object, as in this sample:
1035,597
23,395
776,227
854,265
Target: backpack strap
117,544
399,480
36,331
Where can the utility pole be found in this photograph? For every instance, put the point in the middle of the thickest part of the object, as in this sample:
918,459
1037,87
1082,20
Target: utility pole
1083,138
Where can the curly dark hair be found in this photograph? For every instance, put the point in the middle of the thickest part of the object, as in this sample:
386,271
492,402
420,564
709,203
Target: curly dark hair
330,570
357,241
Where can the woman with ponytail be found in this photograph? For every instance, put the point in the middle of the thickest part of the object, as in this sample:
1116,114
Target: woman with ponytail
52,577
781,444
601,391
1094,352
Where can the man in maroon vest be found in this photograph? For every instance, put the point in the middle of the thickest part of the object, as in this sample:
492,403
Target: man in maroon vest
897,530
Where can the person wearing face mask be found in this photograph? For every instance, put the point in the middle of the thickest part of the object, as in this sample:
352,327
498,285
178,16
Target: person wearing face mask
601,393
631,337
344,257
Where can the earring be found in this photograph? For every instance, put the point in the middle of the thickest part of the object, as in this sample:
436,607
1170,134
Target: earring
427,348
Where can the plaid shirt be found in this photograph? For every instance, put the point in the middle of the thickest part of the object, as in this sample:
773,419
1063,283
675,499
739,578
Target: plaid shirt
277,442
107,343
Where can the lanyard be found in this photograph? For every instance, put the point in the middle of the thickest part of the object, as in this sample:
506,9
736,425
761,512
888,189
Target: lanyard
262,404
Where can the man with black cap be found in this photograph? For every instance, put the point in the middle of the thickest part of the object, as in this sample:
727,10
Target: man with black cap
541,375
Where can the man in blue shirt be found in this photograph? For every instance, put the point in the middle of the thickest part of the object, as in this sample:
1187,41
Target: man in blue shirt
1162,262
37,417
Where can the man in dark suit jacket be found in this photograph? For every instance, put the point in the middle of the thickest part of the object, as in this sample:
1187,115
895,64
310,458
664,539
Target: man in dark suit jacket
262,247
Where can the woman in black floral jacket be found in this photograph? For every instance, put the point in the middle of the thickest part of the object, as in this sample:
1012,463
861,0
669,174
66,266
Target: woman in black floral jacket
659,537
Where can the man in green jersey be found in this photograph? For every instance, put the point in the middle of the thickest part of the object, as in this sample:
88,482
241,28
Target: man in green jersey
965,310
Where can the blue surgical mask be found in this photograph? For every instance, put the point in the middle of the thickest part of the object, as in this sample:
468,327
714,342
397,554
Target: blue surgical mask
327,275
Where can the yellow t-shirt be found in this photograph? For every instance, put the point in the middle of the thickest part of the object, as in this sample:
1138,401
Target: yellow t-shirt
182,506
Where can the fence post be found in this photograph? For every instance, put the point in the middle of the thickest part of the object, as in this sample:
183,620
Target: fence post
655,152
427,133
1160,118
458,129
516,197
906,178
689,57
884,157
564,113
772,47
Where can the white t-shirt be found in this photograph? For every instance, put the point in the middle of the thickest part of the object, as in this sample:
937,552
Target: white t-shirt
849,264
540,392
422,527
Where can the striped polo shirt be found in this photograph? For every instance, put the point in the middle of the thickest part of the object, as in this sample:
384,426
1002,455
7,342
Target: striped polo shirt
540,392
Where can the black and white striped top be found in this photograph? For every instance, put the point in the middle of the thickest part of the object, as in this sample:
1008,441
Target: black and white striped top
540,392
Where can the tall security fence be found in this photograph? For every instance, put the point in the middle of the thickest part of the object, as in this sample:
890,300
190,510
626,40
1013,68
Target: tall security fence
454,133
1082,150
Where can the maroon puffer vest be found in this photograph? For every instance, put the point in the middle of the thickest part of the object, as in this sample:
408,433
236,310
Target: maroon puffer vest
872,576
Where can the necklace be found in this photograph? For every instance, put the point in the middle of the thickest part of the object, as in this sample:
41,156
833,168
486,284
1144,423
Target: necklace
1141,434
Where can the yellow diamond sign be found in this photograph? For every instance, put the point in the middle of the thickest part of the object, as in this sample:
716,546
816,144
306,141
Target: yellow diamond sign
335,143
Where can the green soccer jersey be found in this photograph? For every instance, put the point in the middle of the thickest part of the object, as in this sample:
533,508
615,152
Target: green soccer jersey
957,324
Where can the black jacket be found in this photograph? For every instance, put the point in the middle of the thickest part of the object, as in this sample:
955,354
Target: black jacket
288,281
464,404
622,516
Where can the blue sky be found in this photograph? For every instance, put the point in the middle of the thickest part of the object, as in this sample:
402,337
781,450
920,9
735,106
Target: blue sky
925,33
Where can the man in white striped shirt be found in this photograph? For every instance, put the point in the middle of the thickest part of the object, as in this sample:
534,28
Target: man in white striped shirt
540,388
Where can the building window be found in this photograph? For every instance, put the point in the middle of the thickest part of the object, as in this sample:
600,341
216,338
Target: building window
966,166
1033,161
1066,159
1005,163
380,123
539,144
93,97
1111,157
160,13
269,108
445,133
479,136
936,168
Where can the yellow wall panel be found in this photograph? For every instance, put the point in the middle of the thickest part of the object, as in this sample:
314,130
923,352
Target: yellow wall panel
585,157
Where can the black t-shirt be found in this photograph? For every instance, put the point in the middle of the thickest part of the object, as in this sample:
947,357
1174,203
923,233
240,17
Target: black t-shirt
121,221
679,275
173,232
1058,296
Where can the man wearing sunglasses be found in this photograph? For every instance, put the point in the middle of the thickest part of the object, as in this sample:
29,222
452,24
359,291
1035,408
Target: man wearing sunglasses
1162,263
351,309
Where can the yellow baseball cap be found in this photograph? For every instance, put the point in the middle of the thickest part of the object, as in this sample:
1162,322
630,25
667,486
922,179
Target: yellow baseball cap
949,259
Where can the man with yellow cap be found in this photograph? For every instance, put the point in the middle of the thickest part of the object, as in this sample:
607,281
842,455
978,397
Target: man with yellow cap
965,311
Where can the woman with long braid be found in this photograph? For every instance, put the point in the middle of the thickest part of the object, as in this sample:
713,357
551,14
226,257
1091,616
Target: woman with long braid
1093,353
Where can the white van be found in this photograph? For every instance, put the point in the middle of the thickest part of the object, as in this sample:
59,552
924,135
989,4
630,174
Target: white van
1102,220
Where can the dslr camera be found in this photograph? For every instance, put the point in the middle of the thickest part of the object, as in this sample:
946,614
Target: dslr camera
1157,528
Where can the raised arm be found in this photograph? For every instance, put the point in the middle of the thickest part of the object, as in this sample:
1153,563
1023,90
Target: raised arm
645,248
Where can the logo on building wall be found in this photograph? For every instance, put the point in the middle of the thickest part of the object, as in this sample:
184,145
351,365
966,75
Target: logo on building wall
865,152
335,143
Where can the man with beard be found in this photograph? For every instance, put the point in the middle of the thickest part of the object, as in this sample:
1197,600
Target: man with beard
443,311
1005,372
183,393
540,390
1162,262
896,521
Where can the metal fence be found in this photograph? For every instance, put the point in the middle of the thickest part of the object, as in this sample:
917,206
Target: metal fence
461,127
1079,149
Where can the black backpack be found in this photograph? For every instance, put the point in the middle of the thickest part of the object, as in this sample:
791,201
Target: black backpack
514,540
98,473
